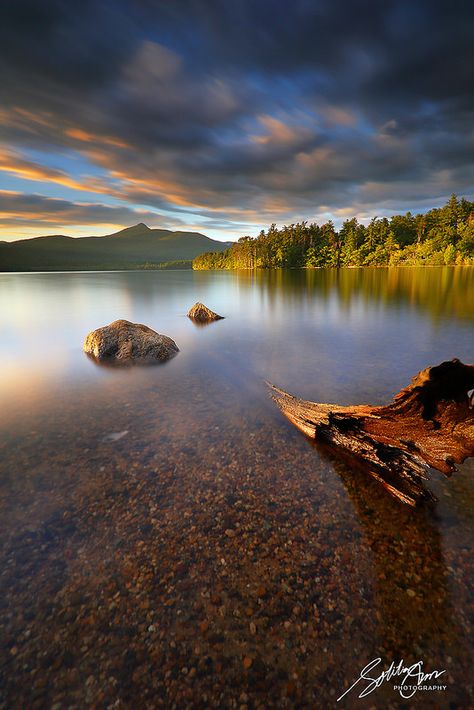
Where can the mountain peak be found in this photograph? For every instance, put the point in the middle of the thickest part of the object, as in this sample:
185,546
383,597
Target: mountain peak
134,229
131,248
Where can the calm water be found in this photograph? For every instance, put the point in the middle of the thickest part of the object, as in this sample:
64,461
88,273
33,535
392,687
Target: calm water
168,538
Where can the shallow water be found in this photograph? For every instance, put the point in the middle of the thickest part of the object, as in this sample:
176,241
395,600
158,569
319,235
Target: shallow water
167,538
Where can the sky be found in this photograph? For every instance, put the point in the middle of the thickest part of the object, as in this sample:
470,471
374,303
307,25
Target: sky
225,116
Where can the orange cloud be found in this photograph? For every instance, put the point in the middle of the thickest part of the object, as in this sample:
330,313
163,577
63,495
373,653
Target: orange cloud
277,131
13,163
40,117
80,135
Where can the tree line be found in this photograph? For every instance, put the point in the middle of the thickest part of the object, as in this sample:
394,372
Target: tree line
444,235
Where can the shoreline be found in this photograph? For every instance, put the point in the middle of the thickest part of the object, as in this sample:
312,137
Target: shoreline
261,269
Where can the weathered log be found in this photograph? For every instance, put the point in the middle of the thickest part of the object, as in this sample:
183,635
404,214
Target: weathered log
429,424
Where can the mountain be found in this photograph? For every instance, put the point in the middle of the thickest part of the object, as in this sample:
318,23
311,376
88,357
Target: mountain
129,248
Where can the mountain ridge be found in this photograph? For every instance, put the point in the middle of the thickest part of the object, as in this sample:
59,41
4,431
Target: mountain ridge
130,247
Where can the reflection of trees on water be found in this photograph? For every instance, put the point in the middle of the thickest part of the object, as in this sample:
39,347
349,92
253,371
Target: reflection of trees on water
442,291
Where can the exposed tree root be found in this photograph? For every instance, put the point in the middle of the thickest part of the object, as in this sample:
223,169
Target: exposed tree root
429,423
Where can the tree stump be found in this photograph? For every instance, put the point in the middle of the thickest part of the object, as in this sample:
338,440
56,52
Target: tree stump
429,424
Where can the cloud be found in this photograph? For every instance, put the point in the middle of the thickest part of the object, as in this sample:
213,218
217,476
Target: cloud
13,163
241,112
46,213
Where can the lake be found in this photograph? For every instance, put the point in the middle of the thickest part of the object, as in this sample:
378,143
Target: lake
168,538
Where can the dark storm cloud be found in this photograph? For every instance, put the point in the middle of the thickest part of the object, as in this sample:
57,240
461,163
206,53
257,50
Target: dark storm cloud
250,109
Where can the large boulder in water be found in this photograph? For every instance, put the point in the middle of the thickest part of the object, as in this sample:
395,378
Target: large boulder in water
125,343
201,313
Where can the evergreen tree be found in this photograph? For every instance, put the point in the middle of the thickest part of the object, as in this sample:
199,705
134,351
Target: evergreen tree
441,236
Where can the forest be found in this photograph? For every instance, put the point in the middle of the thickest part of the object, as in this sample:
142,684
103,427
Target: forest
444,235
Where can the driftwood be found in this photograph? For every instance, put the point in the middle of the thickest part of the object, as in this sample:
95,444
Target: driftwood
430,423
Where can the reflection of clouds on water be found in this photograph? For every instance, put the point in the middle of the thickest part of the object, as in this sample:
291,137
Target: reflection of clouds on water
353,335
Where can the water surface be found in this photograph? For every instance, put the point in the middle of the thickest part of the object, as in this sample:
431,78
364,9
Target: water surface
167,537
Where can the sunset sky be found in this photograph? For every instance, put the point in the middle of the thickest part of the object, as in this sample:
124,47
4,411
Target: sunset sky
223,117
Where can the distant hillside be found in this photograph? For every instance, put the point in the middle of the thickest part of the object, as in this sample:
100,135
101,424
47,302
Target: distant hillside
133,247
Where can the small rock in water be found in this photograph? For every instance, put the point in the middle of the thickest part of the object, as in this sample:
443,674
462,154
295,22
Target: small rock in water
125,343
201,313
115,435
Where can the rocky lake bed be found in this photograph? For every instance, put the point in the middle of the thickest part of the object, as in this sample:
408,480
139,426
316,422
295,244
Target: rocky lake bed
170,540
